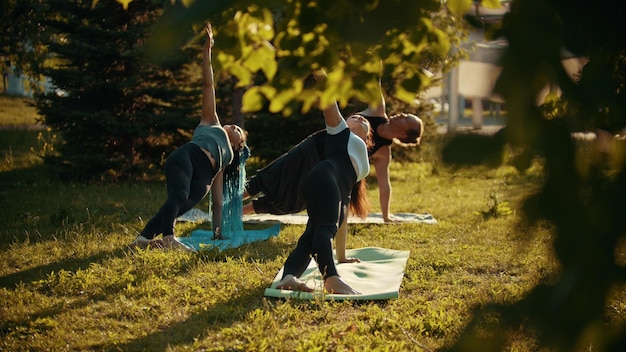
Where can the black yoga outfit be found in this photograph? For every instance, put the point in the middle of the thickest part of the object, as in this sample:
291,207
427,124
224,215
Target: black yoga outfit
281,181
326,190
188,176
377,140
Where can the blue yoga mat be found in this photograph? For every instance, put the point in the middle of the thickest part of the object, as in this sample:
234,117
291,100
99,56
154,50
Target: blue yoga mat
203,239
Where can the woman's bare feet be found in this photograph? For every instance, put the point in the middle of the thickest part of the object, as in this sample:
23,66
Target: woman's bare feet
172,242
290,282
157,243
334,284
143,243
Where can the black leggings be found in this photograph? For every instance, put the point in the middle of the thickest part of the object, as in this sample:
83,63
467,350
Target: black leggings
188,176
326,190
282,180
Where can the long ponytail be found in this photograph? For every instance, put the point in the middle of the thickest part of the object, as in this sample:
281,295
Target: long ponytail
234,184
359,202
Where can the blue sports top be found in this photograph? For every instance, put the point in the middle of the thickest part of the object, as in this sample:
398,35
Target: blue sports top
214,139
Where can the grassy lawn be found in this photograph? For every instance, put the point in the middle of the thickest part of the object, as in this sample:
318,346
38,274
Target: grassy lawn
68,281
15,111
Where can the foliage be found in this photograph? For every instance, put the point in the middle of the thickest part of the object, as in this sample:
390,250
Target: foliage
271,135
142,109
285,41
578,201
580,197
117,113
18,28
271,49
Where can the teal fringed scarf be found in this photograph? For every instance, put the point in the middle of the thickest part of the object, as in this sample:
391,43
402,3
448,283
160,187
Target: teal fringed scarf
234,184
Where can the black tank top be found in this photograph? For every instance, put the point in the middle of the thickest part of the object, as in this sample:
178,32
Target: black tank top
378,141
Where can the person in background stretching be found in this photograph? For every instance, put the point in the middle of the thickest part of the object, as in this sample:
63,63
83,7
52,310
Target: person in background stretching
280,182
197,166
327,190
403,129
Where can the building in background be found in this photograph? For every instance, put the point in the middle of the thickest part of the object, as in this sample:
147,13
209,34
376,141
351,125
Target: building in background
471,83
15,83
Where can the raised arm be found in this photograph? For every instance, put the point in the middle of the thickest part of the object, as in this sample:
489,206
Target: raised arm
381,161
378,107
217,204
341,238
209,112
332,114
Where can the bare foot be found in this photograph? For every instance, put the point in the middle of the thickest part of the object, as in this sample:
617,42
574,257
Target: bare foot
172,242
157,243
393,218
143,242
290,282
336,285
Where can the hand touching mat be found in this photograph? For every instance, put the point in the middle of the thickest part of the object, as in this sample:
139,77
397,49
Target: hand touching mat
372,218
201,239
377,277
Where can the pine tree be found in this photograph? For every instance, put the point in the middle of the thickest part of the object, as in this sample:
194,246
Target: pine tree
118,113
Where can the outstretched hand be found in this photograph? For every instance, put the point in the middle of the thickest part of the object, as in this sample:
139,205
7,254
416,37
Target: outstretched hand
209,35
349,260
319,75
334,284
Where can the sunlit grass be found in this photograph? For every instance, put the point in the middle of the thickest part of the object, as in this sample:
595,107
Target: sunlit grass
16,111
68,281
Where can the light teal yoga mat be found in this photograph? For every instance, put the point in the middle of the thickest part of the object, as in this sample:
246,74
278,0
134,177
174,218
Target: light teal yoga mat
377,277
197,215
203,239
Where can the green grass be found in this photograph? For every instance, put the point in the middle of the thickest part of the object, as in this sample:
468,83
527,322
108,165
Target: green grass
15,111
68,281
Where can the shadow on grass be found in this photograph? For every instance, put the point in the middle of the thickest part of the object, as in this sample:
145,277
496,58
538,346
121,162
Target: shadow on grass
195,326
21,201
21,177
35,274
262,250
210,320
9,325
203,323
